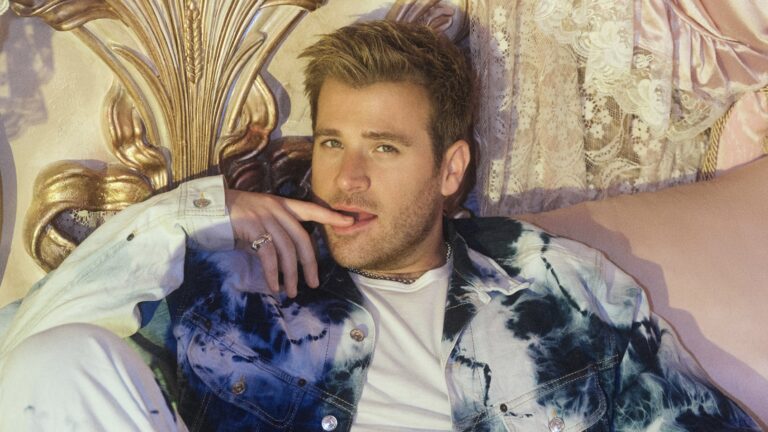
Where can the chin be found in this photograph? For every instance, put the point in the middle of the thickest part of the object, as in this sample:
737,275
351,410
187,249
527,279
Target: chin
366,250
347,255
350,253
343,250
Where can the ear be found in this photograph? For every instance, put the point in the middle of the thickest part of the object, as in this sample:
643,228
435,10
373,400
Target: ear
454,166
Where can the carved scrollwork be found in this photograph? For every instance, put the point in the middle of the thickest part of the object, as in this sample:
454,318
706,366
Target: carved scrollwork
282,168
58,189
258,118
128,140
309,5
188,101
64,15
449,18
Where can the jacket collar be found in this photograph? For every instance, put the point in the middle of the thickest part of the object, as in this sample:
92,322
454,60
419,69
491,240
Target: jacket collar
474,281
460,303
337,281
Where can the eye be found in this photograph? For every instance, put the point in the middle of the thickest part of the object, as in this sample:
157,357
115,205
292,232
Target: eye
386,148
331,144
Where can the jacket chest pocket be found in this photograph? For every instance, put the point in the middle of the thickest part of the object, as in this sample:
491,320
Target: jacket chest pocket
240,380
573,403
230,389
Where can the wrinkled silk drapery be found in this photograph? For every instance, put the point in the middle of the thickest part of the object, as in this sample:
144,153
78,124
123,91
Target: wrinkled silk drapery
745,136
582,99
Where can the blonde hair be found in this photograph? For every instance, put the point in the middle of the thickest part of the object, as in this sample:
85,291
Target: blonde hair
383,51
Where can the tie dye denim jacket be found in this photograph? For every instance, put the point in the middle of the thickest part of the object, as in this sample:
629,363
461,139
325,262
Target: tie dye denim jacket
540,333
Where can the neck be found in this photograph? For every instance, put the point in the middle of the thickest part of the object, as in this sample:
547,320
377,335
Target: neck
436,257
443,254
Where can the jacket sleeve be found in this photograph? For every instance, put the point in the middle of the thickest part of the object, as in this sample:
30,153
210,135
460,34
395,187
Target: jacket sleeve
659,386
137,256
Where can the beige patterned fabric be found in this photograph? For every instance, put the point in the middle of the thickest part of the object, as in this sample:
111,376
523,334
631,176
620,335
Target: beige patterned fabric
582,99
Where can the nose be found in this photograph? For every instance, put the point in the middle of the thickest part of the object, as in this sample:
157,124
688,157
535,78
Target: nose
352,175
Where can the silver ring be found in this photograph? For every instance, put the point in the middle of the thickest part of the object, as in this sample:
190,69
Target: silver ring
261,241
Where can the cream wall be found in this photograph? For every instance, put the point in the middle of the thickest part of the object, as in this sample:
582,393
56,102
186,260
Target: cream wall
51,93
52,88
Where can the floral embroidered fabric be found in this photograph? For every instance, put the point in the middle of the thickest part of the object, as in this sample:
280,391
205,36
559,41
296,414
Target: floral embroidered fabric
584,99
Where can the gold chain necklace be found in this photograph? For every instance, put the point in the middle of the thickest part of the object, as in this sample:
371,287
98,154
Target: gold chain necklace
402,280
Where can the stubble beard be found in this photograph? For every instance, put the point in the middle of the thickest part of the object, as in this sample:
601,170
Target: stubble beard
396,237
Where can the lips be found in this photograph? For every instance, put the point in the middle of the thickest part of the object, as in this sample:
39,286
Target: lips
362,219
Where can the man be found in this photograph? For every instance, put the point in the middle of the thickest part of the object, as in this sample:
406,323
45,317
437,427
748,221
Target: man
416,323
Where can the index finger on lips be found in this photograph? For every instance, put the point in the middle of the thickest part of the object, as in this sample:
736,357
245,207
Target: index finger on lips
307,211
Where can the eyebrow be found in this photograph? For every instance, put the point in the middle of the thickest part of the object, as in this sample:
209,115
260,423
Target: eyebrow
388,136
326,133
372,135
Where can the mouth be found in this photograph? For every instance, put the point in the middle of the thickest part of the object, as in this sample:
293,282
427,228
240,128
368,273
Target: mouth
362,219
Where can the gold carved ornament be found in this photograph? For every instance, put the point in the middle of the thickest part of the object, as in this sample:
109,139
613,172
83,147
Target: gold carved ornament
188,101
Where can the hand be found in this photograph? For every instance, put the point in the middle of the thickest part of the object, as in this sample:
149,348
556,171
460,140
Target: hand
255,214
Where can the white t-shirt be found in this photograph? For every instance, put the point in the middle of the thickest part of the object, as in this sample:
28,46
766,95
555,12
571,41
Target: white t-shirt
405,389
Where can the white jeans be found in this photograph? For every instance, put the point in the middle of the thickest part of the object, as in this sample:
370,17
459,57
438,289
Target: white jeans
80,377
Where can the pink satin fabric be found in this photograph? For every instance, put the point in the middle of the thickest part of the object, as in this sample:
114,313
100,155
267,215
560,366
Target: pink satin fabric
743,137
719,48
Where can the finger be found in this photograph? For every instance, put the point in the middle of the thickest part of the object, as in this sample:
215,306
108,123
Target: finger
307,211
302,243
303,248
309,262
286,251
267,255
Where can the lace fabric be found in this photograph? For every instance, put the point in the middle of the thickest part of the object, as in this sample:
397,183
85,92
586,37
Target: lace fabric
580,100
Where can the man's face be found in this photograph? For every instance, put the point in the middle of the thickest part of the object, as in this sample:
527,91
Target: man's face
373,159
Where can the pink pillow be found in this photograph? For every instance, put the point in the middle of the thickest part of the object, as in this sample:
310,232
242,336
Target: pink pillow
701,252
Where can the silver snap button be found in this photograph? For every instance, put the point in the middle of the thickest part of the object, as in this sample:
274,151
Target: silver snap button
201,202
238,388
329,423
556,424
357,335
